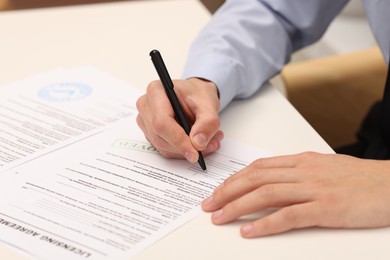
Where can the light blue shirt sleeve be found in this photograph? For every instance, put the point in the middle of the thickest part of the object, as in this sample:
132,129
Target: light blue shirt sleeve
248,41
377,12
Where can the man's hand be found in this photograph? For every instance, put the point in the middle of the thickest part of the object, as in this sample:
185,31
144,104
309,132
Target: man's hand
309,189
200,103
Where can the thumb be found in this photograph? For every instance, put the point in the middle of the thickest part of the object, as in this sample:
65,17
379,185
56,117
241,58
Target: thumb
206,126
205,111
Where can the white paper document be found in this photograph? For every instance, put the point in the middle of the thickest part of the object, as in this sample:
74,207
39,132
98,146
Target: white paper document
57,108
91,186
108,196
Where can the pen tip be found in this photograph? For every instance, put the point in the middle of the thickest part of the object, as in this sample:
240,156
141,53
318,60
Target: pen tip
202,163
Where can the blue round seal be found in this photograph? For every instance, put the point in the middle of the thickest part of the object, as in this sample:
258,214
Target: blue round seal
64,91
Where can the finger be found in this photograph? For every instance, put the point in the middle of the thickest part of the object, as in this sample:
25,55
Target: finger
164,131
251,181
157,100
285,161
166,149
214,144
163,147
203,130
285,219
144,117
141,124
203,108
268,196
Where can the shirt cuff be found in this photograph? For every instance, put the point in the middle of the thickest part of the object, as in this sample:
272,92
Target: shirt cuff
220,70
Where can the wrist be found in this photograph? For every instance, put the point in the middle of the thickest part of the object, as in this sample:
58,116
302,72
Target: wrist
206,83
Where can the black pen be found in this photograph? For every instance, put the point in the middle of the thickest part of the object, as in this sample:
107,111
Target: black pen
168,85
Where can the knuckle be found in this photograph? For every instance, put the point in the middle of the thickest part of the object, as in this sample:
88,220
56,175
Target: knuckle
159,126
140,102
179,142
232,208
289,215
219,194
227,181
308,155
153,86
255,175
258,163
159,144
213,122
268,192
252,176
140,121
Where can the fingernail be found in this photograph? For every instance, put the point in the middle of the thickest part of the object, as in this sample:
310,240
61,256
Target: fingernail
200,140
247,229
217,214
190,156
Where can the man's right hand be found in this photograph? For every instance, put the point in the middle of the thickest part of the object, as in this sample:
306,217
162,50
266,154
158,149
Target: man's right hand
200,103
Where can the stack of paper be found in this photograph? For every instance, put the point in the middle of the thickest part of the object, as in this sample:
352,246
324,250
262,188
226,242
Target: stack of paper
57,108
82,181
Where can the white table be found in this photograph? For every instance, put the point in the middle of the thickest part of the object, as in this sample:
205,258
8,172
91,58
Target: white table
117,38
